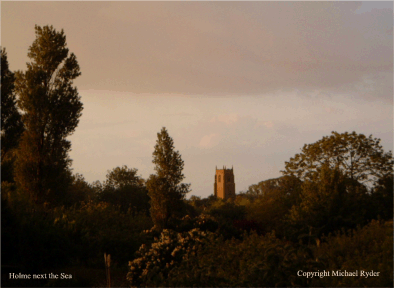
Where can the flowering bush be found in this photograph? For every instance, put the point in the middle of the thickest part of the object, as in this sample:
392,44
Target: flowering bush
154,263
198,258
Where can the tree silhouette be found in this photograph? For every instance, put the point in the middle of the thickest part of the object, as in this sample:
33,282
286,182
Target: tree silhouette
358,157
123,176
329,202
51,109
126,190
11,119
165,188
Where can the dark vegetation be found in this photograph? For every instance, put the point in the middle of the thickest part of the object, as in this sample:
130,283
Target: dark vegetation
331,210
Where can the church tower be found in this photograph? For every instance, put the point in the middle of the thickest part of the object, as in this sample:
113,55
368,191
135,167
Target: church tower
224,186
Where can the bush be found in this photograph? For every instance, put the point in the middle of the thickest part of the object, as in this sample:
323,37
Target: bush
155,262
368,248
102,228
29,238
254,261
197,258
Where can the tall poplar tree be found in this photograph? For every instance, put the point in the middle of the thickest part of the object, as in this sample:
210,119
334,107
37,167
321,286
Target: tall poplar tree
165,188
51,109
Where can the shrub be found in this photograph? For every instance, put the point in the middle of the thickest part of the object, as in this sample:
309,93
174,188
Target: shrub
197,258
102,228
254,261
155,262
368,248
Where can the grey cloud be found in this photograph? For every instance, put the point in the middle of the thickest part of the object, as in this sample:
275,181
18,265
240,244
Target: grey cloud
228,48
254,48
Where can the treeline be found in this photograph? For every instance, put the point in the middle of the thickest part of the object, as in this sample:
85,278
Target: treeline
331,210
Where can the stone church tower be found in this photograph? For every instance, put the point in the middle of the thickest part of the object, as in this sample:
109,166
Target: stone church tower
224,186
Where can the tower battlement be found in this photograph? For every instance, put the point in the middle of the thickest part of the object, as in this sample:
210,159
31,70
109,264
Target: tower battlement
224,186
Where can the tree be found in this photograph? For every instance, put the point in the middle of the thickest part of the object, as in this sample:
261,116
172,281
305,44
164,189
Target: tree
51,109
358,157
274,199
79,191
123,176
383,197
124,189
165,188
11,119
328,204
287,186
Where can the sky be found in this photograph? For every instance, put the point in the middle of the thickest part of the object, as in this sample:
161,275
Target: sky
242,84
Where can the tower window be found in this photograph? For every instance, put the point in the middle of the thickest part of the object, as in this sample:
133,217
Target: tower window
219,178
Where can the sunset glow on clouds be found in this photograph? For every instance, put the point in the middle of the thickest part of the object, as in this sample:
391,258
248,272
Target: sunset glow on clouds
235,83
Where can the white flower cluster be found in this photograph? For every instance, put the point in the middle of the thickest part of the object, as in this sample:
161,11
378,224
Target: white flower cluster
169,250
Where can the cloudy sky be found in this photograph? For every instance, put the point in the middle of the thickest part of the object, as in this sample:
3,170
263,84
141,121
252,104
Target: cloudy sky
235,83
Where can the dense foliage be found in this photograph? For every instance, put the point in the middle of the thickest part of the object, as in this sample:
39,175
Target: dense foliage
165,188
51,109
11,120
328,203
126,190
154,263
360,158
248,262
270,202
365,248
